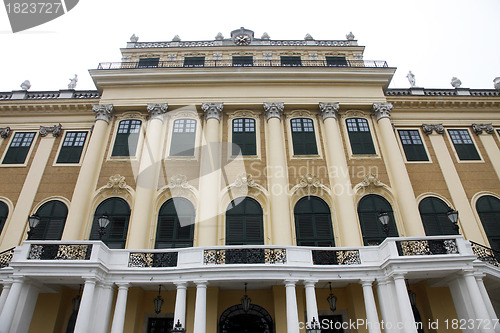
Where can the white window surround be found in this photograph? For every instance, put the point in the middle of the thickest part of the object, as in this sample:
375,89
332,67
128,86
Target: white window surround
397,129
452,145
140,141
342,119
32,147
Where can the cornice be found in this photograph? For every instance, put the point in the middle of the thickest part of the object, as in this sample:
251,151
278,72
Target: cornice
444,102
66,107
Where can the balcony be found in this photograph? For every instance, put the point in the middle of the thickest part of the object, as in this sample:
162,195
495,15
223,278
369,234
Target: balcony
254,63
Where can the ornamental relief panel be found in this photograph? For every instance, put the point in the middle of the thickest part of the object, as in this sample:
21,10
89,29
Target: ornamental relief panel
183,113
131,115
354,114
243,114
301,114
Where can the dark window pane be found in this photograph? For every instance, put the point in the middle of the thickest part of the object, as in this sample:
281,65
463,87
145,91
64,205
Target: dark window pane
369,207
183,137
118,212
244,137
304,140
52,220
359,136
175,224
194,61
412,145
148,62
313,223
336,61
4,212
19,148
242,61
127,138
488,208
464,145
434,217
291,61
72,147
244,223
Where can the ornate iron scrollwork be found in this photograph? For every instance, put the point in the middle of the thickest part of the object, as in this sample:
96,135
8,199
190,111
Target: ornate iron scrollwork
162,259
486,254
427,247
60,252
245,256
6,257
328,257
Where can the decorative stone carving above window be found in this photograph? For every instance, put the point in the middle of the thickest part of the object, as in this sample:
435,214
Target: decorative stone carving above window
274,110
243,184
329,110
117,184
179,186
309,184
267,56
5,132
480,128
55,130
430,128
370,180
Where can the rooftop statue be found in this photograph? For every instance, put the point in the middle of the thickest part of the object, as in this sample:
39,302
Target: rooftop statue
25,85
411,79
496,82
350,36
72,82
455,82
134,38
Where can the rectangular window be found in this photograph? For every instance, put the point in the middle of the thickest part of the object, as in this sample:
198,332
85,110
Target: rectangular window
194,61
336,61
360,136
19,148
127,138
464,146
412,145
244,140
148,62
72,147
245,61
303,137
291,61
183,137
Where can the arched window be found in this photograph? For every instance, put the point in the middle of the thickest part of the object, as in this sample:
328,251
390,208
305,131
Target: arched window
4,212
369,208
244,222
175,224
488,208
52,219
313,223
434,216
118,213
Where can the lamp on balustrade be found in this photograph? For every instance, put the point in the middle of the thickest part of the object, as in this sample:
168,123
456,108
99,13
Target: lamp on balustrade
384,218
178,328
103,221
453,217
246,301
33,222
313,327
158,301
332,299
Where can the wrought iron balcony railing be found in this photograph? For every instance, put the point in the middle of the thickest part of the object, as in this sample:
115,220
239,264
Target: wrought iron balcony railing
253,63
6,257
486,254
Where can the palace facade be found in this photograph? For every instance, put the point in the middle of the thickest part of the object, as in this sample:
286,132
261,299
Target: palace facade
248,184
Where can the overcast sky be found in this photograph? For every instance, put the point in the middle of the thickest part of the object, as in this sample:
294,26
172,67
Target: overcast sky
435,39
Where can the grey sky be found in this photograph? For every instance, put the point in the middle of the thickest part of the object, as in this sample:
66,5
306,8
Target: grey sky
436,39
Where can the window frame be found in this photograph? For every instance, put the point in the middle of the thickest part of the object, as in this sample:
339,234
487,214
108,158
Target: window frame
452,144
371,127
443,214
249,115
41,205
329,61
28,154
84,148
248,61
302,123
285,58
313,215
422,138
95,216
140,140
176,225
393,221
9,213
245,132
478,214
317,126
262,222
194,65
192,115
151,60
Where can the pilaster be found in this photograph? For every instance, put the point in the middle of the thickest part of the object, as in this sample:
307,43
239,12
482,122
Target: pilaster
485,133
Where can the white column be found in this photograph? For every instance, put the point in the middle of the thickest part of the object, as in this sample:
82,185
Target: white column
462,302
292,314
5,294
180,304
406,311
103,304
277,176
85,311
487,301
9,309
200,310
89,174
476,299
396,169
25,308
370,307
210,175
147,179
340,181
311,304
120,308
388,308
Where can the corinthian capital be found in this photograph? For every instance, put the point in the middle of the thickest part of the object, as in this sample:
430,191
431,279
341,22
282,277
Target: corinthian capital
212,110
274,110
5,132
429,128
329,110
156,111
382,110
103,112
55,130
479,128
